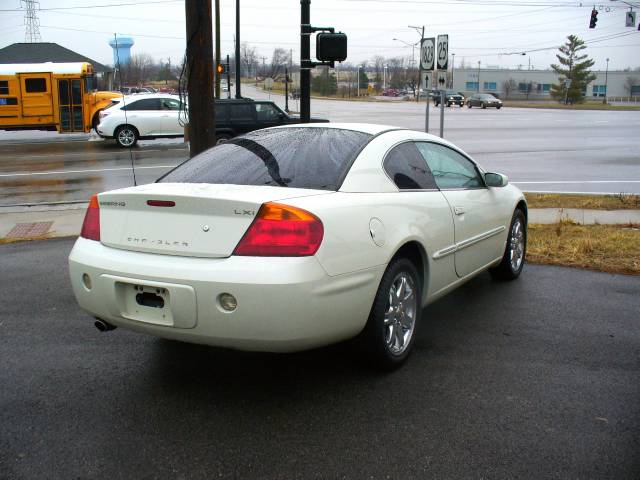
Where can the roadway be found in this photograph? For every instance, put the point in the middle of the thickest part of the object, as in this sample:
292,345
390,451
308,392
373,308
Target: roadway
540,150
538,378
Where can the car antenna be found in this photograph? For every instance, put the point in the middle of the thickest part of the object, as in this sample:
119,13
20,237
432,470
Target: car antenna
126,120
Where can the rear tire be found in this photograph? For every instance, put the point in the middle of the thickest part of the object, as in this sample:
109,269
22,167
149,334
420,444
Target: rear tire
95,121
126,136
469,105
395,314
512,261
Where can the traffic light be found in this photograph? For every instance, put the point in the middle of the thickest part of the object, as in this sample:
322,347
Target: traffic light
221,68
594,18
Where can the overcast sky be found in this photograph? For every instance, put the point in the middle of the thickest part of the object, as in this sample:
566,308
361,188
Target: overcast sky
490,31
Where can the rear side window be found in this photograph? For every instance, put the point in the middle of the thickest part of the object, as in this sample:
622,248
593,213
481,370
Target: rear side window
35,85
146,104
408,169
316,158
240,112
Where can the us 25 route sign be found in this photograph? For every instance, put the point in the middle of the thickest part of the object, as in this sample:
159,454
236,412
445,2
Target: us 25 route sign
442,52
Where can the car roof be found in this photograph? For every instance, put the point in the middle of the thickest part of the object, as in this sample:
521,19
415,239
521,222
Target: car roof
141,96
370,128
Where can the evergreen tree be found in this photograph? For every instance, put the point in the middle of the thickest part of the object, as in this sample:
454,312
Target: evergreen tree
364,79
573,69
325,84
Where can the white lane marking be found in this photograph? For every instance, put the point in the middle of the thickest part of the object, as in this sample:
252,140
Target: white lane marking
580,181
583,192
64,172
86,154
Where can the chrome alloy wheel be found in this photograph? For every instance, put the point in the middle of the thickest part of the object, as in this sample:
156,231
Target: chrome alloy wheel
400,316
126,137
516,245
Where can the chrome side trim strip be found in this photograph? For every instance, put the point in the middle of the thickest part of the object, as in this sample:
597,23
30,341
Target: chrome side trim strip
478,238
468,242
444,252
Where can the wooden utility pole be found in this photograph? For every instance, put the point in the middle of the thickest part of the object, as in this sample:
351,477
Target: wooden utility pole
202,131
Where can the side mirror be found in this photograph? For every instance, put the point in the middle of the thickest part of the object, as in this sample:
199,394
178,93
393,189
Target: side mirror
495,179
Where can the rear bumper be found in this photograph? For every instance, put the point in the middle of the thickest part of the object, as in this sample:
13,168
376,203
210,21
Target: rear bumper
284,304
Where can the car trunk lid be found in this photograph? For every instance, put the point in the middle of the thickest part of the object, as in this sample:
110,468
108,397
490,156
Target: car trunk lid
198,220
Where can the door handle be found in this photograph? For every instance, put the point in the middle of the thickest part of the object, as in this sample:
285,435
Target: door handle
458,210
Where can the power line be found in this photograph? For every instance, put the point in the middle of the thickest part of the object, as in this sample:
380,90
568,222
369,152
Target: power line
95,6
496,3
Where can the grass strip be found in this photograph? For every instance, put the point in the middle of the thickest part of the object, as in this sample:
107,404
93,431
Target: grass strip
607,248
619,201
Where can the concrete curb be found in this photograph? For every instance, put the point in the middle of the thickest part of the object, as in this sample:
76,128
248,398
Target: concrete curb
67,219
584,216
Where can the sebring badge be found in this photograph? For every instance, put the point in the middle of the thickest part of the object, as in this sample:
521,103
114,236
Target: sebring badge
205,228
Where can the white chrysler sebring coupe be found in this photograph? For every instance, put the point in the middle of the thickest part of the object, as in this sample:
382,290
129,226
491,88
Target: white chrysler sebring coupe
295,237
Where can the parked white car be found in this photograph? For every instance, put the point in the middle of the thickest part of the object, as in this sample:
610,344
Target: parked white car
295,237
142,116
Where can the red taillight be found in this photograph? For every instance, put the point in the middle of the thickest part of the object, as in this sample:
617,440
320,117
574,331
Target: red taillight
281,231
91,224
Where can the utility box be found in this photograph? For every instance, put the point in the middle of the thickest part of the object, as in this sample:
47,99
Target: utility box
331,47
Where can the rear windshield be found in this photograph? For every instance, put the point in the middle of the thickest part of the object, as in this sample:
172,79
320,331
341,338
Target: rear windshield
316,158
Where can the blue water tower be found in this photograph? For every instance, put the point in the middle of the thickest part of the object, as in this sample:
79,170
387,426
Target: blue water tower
121,49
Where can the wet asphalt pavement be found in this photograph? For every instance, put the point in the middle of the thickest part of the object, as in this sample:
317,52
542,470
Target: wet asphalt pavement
540,150
538,378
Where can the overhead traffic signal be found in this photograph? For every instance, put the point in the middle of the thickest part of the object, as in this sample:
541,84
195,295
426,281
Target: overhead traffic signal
594,18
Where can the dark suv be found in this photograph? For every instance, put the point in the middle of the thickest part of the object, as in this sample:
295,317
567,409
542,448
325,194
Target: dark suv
450,98
238,116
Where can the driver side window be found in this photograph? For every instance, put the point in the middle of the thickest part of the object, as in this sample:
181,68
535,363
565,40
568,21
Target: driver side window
266,112
450,169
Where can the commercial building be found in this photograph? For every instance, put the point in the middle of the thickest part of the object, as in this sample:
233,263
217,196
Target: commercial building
536,84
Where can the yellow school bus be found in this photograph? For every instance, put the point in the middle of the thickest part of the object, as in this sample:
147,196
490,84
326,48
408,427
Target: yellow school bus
50,96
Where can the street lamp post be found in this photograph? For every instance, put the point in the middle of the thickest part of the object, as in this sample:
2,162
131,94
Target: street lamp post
358,80
413,47
606,78
478,76
413,57
384,77
420,31
453,67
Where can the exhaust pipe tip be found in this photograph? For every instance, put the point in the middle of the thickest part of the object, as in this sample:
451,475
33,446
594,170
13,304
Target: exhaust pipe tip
103,326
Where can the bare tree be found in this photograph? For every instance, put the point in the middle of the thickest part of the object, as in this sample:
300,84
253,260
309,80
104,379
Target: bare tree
140,69
378,68
508,86
279,58
631,82
249,58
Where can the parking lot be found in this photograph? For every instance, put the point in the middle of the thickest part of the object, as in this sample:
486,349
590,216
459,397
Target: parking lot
537,378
